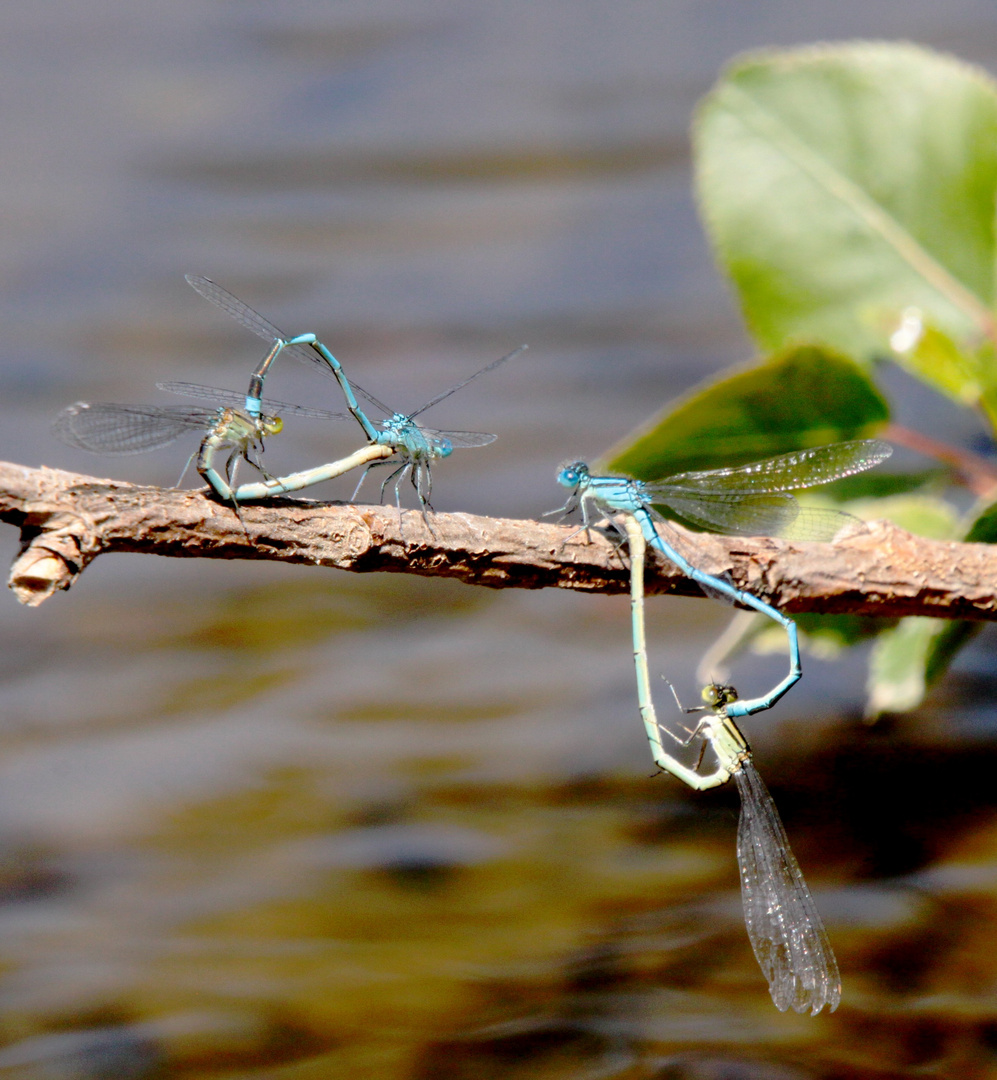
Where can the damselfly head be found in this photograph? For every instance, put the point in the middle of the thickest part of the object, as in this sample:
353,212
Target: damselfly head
718,696
573,475
271,425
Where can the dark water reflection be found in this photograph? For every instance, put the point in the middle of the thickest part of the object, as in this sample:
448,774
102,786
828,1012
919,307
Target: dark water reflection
264,821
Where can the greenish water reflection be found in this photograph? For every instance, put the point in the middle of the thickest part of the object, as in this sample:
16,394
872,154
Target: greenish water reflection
452,929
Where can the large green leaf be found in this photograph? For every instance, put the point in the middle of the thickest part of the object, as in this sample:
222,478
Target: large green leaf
805,397
843,184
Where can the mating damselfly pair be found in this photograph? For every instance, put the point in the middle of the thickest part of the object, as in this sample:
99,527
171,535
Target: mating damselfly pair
238,423
784,926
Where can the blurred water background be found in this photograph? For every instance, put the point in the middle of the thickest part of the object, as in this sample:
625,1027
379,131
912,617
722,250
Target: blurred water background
273,821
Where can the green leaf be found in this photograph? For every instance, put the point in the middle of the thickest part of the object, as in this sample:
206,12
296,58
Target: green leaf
954,635
983,529
827,636
913,656
805,397
922,514
944,646
897,666
839,182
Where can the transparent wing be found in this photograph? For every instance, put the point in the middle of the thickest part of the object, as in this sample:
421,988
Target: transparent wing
784,926
107,428
817,523
775,514
236,400
359,390
252,320
788,472
407,433
462,439
738,515
453,389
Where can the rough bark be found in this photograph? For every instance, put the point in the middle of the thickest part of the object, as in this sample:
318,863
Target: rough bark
67,520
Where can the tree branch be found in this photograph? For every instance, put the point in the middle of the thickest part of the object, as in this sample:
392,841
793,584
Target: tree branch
67,520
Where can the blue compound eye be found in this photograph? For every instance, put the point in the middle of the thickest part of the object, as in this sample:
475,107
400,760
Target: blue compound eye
575,474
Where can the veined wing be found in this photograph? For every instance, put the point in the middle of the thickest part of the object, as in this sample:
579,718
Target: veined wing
109,428
360,392
787,472
402,428
463,439
251,319
453,389
389,412
784,926
769,514
236,400
738,515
